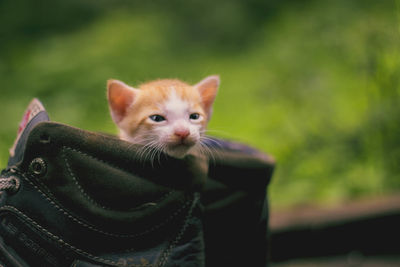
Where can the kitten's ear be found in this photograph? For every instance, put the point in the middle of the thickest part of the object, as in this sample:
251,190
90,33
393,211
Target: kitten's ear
208,88
120,98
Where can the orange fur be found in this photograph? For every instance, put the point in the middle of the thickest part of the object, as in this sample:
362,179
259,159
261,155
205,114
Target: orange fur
155,93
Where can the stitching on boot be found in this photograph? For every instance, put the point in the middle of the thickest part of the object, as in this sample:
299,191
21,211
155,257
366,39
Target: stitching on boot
54,238
74,177
51,237
65,212
97,159
167,252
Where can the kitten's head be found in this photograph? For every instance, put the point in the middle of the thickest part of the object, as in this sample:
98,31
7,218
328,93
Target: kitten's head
164,115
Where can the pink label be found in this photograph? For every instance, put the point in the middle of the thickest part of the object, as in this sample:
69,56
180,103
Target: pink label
33,109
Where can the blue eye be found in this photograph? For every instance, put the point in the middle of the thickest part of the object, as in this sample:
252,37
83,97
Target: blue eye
194,116
157,118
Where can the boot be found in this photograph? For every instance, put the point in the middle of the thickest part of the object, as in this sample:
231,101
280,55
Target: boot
70,197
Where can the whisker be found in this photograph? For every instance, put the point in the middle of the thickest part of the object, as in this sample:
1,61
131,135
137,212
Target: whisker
218,132
147,151
161,150
212,141
210,152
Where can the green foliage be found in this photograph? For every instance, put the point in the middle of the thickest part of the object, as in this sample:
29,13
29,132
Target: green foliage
314,84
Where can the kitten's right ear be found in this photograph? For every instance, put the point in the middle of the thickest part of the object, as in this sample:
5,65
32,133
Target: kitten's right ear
120,98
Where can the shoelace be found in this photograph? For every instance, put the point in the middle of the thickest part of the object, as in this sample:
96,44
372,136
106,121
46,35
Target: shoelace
9,183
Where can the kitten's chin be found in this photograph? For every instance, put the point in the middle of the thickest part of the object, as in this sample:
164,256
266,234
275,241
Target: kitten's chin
178,151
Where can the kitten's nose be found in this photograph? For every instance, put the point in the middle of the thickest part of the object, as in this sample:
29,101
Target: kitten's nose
182,133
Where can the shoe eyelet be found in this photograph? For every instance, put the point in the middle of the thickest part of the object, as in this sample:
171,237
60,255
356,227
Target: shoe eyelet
10,184
38,167
17,184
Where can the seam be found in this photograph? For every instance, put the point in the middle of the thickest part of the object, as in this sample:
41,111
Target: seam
167,252
74,177
56,238
63,210
97,159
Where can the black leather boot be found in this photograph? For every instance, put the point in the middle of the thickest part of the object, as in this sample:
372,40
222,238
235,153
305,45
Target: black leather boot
75,198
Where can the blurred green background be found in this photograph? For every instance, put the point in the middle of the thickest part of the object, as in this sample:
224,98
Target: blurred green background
316,84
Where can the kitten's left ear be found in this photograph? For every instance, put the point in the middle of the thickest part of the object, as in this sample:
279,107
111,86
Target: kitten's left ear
120,98
208,88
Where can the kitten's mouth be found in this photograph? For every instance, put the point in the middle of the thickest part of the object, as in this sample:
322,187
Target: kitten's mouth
179,149
181,145
188,142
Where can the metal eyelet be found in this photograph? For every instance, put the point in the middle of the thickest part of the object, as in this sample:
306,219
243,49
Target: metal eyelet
38,167
16,184
10,184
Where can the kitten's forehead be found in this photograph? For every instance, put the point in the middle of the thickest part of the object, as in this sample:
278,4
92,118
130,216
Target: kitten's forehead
173,97
170,98
162,90
174,103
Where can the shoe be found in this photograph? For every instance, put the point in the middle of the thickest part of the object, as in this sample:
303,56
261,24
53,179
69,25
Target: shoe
70,197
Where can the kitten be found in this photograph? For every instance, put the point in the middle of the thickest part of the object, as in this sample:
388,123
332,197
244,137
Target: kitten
167,116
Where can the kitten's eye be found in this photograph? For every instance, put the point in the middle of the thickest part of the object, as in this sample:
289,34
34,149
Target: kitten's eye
194,116
157,118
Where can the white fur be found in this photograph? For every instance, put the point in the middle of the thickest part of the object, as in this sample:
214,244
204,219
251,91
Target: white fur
177,112
175,107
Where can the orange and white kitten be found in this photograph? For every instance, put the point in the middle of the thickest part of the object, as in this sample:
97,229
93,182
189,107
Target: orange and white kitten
167,116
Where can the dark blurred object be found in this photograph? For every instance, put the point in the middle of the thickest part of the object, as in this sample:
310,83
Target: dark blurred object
356,234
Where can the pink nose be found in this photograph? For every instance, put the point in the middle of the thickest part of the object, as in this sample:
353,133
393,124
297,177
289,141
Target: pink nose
182,133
